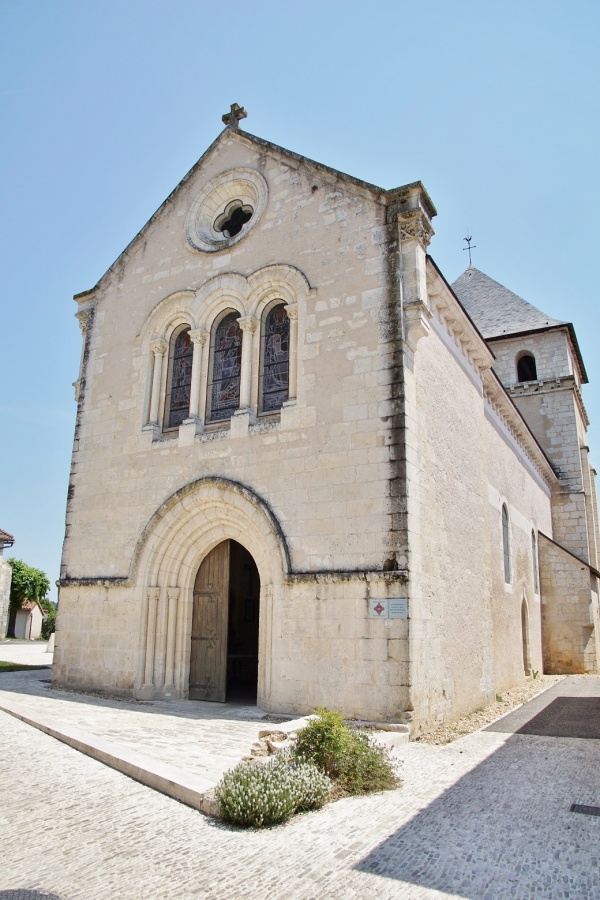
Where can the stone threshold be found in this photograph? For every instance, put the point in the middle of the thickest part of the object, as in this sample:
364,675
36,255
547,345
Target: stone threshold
173,782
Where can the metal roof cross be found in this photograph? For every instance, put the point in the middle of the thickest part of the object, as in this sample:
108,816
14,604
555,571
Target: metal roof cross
232,118
468,239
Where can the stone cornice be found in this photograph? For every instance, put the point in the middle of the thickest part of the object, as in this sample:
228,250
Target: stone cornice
505,409
457,323
324,576
551,385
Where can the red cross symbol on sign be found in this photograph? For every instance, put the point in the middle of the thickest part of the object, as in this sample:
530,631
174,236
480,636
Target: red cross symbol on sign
379,609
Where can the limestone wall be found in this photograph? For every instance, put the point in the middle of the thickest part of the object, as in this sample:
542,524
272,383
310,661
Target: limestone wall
551,349
466,632
569,612
322,467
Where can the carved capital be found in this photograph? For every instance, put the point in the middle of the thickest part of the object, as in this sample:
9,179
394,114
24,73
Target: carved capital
83,319
248,323
292,311
415,226
173,593
159,348
153,593
198,336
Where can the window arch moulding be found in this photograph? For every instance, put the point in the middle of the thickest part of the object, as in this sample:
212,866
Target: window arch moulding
251,298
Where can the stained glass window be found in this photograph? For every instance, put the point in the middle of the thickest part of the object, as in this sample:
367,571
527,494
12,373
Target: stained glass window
227,358
276,359
181,378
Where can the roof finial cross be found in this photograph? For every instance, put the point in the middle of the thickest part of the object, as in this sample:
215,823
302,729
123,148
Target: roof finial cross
468,239
232,118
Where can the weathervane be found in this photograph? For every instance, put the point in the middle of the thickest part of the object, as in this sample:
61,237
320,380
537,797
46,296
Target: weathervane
468,239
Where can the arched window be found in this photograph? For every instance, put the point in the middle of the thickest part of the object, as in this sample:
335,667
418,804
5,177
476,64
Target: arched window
506,544
526,368
534,561
224,387
179,379
275,359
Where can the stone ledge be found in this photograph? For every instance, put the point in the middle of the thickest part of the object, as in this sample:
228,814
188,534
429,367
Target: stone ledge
176,783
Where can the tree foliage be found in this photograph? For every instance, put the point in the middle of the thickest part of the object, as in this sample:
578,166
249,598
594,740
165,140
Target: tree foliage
28,584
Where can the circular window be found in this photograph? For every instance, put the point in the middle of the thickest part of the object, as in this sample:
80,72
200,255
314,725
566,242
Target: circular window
226,209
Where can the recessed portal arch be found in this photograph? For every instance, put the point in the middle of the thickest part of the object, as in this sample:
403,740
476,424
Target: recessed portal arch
180,535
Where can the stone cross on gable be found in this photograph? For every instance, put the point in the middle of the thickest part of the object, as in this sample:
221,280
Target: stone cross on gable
232,118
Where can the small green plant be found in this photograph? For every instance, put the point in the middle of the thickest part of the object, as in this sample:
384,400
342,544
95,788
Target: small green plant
256,794
349,756
499,698
535,673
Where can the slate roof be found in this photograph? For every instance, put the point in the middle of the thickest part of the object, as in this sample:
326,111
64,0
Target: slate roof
495,310
498,312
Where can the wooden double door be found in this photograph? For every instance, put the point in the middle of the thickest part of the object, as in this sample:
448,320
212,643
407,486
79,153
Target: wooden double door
224,651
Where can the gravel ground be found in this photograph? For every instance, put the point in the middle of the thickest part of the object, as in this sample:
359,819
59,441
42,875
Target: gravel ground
505,702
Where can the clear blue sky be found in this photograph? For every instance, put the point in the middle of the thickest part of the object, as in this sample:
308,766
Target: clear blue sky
106,105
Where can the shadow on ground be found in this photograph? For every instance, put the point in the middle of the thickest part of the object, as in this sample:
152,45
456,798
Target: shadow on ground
39,684
506,828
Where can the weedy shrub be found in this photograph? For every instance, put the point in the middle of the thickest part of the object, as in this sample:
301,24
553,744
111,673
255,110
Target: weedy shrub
366,766
256,794
324,742
349,756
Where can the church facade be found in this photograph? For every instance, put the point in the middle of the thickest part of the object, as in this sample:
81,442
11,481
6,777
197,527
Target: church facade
307,470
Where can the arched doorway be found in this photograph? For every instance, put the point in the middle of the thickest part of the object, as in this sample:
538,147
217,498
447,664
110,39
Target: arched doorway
225,615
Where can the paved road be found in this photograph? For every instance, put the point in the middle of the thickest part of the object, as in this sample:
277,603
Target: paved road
483,818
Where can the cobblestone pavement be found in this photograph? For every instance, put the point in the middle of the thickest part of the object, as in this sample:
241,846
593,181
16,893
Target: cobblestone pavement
485,817
206,739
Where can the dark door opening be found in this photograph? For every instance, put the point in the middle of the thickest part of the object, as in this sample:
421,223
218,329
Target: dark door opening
224,641
242,636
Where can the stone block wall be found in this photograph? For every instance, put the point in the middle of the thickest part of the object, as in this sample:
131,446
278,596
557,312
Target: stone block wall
551,349
569,612
467,638
321,467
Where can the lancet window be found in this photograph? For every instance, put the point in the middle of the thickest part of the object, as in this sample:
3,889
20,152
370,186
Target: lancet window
224,389
534,559
506,544
179,378
275,359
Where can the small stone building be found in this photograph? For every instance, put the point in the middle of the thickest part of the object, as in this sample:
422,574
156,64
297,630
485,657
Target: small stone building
308,471
28,621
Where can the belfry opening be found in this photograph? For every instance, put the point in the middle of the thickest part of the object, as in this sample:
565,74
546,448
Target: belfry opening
225,618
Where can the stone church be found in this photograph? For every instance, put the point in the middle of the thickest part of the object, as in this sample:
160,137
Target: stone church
308,471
